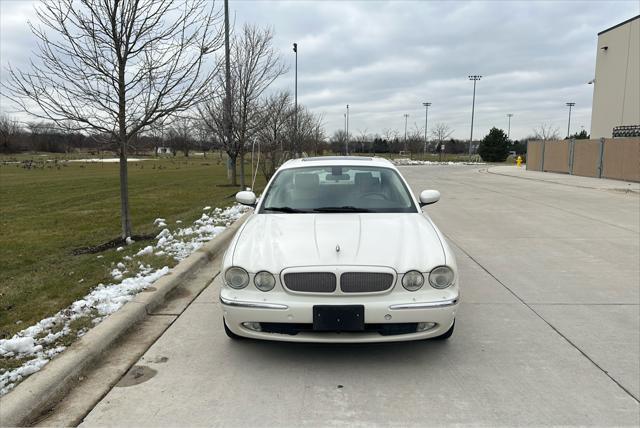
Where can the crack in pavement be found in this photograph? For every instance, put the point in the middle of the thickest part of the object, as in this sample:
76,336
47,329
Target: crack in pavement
606,373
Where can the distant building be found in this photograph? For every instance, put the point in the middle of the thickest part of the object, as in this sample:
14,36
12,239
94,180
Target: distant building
616,92
164,151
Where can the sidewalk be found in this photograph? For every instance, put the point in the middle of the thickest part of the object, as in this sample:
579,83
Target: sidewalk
566,179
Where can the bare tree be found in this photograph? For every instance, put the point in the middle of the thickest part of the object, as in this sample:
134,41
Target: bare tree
180,135
338,141
441,132
546,131
276,112
255,65
309,130
390,134
363,139
9,131
118,66
157,132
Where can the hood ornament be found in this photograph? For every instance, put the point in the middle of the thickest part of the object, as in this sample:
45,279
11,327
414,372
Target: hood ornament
337,248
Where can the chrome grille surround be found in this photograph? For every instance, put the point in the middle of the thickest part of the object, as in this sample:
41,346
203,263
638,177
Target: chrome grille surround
365,282
310,282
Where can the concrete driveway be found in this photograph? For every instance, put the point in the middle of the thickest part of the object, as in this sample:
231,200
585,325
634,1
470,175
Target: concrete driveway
547,332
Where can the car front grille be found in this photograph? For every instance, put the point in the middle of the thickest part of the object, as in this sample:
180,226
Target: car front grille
365,282
310,282
327,282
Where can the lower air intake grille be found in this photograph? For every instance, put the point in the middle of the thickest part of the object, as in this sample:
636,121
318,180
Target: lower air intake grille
310,282
365,282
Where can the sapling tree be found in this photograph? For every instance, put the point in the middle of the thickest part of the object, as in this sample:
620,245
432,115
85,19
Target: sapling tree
116,67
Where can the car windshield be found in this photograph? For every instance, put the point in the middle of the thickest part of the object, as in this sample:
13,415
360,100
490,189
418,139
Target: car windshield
337,189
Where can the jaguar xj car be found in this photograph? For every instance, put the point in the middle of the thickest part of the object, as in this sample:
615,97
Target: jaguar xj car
338,249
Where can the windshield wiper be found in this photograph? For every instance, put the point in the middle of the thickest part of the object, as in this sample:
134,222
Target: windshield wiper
284,210
343,209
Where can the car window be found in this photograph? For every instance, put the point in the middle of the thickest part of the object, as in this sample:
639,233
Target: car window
337,189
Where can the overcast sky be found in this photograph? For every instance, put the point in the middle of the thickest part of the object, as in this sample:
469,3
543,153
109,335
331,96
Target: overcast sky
384,58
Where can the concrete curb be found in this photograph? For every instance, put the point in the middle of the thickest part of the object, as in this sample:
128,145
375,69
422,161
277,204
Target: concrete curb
45,388
621,188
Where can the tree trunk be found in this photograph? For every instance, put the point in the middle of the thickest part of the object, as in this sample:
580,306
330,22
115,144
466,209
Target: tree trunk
242,184
125,217
232,169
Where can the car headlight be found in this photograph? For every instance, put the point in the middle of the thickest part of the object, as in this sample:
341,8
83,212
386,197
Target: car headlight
264,281
412,280
441,277
236,277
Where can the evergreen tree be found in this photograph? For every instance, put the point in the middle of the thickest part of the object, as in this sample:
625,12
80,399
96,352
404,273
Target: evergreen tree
494,147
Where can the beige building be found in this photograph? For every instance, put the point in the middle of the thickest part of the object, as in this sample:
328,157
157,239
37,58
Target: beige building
616,92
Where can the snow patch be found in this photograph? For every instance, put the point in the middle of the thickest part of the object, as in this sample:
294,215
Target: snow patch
38,343
146,250
407,161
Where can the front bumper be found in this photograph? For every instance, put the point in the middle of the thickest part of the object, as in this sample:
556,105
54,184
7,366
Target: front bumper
394,308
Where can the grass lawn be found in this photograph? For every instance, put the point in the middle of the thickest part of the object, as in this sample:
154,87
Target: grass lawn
48,211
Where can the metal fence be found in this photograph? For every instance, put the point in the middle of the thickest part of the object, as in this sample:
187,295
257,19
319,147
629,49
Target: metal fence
617,158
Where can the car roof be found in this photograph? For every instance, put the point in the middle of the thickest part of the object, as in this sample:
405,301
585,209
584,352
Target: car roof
338,161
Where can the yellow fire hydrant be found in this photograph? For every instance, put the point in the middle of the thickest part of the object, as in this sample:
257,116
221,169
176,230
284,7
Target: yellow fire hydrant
519,161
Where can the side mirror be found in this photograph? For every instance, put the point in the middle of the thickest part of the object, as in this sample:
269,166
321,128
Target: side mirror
246,197
428,197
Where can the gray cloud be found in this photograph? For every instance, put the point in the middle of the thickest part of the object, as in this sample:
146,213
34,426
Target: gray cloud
384,58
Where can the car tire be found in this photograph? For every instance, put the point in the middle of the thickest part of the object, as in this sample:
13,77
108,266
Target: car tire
446,334
229,333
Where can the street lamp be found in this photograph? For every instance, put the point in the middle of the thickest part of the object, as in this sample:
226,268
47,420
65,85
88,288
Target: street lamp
473,108
295,50
406,117
509,115
569,124
426,122
347,129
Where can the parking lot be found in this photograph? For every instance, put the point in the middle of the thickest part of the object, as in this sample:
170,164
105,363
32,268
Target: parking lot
547,332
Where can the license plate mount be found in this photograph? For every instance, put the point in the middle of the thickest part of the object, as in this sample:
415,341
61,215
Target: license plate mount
338,318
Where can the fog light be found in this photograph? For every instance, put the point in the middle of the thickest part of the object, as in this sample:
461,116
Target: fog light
255,326
424,326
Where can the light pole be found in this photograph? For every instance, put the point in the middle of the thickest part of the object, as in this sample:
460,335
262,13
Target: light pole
347,129
426,122
509,115
228,132
406,117
345,132
295,128
569,124
473,109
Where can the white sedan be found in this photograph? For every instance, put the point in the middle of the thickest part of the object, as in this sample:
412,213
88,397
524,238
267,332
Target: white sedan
339,250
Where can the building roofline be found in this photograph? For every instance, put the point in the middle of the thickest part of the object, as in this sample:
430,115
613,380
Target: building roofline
618,25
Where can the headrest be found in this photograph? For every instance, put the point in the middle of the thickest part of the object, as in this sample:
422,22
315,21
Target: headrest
363,177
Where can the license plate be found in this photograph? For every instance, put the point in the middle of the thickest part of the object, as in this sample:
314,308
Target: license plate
338,318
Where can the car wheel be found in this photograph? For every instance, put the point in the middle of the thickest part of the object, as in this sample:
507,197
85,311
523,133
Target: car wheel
230,334
446,334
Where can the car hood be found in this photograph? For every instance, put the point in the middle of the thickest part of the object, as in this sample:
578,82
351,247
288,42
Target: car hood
401,241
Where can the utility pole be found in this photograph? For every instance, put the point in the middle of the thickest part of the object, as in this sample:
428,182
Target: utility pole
475,78
406,117
227,95
569,124
426,122
509,115
345,132
347,129
295,137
